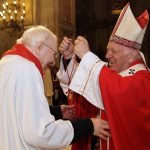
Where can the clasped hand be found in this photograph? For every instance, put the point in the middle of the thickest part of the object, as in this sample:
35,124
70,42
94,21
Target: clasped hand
80,47
68,111
101,128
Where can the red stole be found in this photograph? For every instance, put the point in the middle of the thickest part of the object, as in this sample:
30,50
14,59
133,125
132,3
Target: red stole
21,50
83,110
127,107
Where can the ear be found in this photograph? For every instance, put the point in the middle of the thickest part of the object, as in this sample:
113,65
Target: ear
37,47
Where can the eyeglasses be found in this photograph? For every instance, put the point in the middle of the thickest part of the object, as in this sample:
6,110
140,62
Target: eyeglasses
55,53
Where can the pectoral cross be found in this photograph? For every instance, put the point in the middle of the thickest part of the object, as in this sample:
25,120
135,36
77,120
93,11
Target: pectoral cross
132,71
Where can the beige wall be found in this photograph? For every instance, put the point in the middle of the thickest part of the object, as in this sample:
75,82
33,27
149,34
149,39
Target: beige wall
54,14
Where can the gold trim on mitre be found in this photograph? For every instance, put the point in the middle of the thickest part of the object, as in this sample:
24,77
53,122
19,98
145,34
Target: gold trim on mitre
129,31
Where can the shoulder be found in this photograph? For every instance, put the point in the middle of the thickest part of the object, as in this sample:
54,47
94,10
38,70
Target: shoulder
20,66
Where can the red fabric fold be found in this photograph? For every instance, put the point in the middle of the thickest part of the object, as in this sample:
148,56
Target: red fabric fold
84,109
127,107
143,19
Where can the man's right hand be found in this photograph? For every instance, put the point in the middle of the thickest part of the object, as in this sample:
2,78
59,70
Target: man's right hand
81,47
101,128
66,48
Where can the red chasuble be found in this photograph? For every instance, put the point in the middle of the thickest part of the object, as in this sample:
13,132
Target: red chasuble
127,106
83,110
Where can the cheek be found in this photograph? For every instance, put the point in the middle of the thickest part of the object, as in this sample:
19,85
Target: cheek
51,58
123,60
121,63
48,57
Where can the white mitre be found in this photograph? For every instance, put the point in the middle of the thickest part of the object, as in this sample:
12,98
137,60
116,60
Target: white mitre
129,31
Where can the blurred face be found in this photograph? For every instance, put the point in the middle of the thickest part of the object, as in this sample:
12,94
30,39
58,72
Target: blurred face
118,56
68,53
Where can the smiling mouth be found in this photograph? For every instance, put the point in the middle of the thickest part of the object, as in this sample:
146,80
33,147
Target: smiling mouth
110,63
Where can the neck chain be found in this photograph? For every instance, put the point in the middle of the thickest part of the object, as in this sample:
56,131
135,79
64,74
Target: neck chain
70,93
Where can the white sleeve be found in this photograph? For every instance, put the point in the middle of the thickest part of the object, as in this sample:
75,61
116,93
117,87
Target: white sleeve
38,126
65,75
86,79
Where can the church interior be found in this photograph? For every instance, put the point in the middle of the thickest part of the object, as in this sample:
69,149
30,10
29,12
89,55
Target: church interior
93,19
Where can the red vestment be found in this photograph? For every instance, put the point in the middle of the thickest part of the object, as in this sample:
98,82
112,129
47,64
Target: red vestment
127,106
83,110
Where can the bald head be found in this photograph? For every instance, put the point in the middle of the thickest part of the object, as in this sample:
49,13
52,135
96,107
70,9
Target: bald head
41,42
37,34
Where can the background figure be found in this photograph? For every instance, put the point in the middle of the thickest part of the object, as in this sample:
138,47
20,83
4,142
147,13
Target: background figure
68,66
59,97
25,119
121,90
48,86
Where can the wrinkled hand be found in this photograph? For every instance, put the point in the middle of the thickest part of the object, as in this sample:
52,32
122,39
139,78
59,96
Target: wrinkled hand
66,48
101,128
68,111
81,46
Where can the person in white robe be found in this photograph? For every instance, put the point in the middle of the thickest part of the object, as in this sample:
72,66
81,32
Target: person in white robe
26,122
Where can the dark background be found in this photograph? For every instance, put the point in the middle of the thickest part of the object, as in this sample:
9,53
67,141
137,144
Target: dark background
95,21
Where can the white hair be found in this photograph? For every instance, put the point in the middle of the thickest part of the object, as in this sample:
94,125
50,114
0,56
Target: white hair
36,34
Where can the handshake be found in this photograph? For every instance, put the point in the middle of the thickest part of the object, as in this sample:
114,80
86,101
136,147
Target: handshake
101,127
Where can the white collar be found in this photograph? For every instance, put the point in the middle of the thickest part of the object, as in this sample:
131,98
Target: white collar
132,70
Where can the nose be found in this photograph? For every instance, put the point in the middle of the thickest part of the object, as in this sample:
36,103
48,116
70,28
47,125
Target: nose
108,54
52,64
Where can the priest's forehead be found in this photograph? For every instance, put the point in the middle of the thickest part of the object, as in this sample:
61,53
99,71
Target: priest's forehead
52,41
